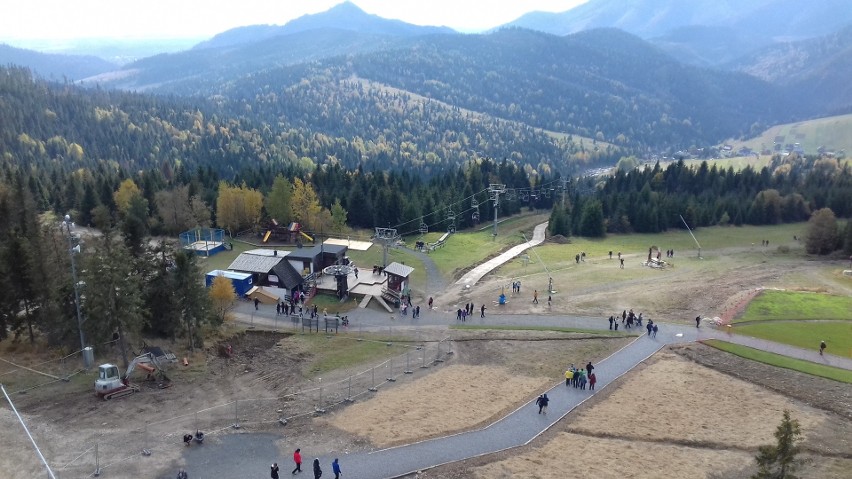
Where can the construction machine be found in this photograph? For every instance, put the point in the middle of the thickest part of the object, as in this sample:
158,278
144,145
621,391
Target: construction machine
111,384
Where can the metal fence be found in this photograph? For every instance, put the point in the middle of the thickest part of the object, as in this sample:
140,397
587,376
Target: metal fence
121,451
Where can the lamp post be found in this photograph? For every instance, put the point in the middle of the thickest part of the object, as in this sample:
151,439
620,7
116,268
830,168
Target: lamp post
71,251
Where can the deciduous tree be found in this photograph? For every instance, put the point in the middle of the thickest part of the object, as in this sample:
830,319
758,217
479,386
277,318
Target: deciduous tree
238,207
306,205
222,296
822,235
125,192
338,217
278,201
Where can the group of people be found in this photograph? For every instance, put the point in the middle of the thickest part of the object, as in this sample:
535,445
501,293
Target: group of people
628,319
578,377
581,257
283,308
516,286
297,459
463,313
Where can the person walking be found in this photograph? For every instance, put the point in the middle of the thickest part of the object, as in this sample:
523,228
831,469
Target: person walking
335,468
621,260
535,296
182,474
539,401
589,368
698,321
482,311
611,320
273,473
569,375
592,380
256,302
822,347
297,458
317,469
649,327
430,302
544,402
654,330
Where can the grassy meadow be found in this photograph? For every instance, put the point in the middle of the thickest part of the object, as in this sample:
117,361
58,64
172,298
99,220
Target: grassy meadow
831,132
465,249
785,362
804,334
336,352
801,319
559,259
798,305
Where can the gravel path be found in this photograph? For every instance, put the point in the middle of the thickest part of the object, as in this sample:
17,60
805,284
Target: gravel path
474,275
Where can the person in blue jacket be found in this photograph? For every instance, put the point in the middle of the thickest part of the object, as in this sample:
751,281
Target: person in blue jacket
335,468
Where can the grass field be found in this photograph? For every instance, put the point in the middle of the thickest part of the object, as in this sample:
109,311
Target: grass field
807,367
775,305
341,352
804,334
466,249
831,132
748,238
542,328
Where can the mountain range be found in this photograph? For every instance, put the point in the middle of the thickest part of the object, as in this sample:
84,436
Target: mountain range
658,74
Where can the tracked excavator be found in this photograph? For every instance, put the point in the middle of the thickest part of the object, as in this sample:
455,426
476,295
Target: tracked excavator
112,384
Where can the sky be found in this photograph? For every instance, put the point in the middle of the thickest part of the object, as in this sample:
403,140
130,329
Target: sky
138,19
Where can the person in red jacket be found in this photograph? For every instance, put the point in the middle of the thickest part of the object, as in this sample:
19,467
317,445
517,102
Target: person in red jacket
297,458
592,380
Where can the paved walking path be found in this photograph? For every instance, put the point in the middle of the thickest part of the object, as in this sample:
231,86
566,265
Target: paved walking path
474,275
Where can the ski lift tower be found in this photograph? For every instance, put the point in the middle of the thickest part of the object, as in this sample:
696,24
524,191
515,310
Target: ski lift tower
388,237
494,192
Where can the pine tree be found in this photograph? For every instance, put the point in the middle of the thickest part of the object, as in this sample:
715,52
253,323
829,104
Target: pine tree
779,461
113,293
191,298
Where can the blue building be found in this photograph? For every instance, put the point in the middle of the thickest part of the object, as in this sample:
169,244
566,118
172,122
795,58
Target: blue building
242,281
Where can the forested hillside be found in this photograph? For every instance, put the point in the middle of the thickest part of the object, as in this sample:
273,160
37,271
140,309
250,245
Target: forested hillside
603,84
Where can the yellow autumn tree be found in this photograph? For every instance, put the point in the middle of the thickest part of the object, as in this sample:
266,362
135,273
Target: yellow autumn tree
125,193
306,205
222,296
238,207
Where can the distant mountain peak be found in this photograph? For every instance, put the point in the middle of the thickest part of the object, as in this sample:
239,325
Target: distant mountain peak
343,16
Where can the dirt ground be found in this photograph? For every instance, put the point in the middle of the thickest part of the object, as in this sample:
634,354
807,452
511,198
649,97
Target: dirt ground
671,418
388,418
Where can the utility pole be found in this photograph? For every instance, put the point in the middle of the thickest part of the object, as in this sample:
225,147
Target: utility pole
564,189
73,250
387,236
494,192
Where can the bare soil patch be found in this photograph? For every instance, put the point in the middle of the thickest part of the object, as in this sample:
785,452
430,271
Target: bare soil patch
453,399
678,401
814,391
578,456
494,372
